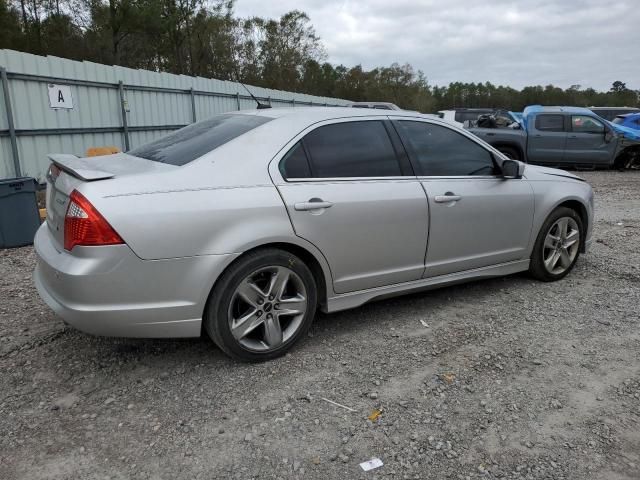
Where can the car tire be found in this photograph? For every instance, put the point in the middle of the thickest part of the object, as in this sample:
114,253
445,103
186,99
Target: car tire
510,152
557,248
627,160
261,305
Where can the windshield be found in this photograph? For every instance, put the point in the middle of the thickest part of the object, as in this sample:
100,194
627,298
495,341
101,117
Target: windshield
191,142
618,120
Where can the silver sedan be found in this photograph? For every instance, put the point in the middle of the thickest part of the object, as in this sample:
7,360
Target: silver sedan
243,225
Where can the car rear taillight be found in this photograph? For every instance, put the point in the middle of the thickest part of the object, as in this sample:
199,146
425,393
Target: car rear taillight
83,225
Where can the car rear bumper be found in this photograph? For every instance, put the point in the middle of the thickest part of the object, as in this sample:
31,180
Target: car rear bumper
110,291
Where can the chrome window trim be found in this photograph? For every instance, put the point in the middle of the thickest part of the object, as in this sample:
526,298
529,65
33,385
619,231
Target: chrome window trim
463,177
351,179
395,179
278,179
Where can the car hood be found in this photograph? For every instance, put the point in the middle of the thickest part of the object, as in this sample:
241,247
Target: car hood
536,172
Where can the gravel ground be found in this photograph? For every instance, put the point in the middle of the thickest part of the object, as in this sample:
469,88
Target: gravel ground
506,378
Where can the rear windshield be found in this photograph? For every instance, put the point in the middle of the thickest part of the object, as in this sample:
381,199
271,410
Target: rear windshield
193,141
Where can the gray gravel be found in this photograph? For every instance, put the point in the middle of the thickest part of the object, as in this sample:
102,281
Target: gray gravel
506,378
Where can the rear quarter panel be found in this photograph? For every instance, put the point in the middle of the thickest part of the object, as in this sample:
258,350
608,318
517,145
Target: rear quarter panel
216,204
204,221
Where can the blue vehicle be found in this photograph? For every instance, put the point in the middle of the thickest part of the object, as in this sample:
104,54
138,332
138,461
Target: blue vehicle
629,120
564,137
609,113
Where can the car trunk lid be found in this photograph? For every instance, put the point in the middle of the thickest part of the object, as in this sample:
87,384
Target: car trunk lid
68,172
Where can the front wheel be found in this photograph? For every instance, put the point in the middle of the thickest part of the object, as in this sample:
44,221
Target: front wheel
261,305
629,159
558,245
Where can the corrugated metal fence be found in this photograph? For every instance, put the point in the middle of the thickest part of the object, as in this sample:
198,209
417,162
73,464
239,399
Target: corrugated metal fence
110,106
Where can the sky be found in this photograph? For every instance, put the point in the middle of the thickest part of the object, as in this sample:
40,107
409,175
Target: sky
591,43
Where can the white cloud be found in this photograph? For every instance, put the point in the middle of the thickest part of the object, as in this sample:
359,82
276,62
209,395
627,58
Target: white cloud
516,43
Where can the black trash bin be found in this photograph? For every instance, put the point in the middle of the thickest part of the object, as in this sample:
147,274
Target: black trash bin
19,215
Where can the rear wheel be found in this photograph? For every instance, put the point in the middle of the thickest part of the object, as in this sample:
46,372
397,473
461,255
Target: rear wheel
557,247
261,305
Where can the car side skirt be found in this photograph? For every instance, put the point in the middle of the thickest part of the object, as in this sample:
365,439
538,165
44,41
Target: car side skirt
355,299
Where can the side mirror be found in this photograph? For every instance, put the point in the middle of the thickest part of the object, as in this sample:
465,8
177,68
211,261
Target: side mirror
608,135
511,169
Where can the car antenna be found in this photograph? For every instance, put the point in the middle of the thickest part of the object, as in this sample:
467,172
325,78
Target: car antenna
261,106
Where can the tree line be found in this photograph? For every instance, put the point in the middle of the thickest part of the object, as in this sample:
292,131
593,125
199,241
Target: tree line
205,38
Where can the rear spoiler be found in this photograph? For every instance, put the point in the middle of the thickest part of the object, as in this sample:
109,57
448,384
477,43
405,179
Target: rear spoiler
78,167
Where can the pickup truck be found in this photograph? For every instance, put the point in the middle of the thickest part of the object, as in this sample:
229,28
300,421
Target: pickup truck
565,136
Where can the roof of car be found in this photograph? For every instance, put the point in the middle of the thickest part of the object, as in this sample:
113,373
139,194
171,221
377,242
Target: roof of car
560,109
392,106
325,113
614,108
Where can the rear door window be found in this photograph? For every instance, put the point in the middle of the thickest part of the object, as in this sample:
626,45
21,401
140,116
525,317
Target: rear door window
192,142
550,123
295,163
352,149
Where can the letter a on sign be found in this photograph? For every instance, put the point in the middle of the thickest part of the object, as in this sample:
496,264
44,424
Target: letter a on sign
60,96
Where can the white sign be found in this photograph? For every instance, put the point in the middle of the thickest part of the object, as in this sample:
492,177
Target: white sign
60,96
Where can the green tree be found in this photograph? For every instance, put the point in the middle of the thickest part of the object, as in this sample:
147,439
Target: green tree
285,46
205,38
11,35
618,87
215,40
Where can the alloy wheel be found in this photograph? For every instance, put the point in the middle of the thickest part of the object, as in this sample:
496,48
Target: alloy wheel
561,245
267,308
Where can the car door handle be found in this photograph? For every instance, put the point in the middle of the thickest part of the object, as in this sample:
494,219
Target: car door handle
447,197
313,204
490,134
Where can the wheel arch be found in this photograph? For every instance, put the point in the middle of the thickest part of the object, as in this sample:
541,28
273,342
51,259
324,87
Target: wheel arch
629,155
319,274
578,207
313,259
